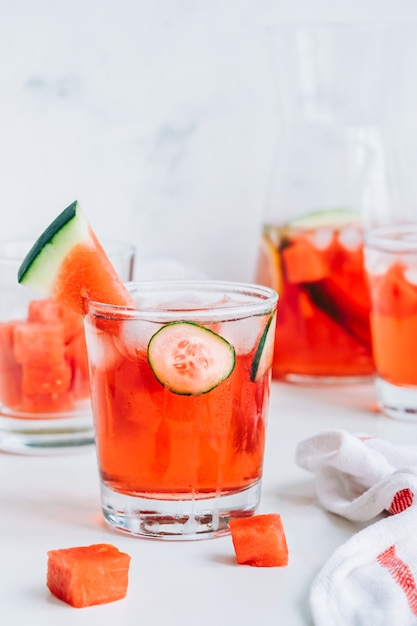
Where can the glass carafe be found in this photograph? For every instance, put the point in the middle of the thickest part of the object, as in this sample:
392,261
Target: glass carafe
332,87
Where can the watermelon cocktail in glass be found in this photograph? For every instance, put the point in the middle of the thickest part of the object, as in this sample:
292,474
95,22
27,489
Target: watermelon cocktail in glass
316,265
180,390
391,263
44,378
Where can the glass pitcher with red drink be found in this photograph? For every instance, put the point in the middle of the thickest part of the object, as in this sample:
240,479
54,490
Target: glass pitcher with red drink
331,86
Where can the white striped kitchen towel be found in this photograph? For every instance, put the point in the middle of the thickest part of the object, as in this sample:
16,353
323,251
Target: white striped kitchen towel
371,579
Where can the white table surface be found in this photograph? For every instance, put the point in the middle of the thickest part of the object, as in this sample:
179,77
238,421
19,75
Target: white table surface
53,502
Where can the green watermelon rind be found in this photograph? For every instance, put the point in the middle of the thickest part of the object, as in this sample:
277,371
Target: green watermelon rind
41,265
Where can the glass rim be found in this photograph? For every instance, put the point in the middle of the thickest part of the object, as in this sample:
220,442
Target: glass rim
264,300
392,238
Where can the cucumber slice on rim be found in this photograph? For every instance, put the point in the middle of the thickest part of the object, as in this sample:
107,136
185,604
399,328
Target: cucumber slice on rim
262,360
189,359
39,267
326,217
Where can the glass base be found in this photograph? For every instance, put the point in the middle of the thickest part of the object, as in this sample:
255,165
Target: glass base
177,519
397,402
43,436
318,380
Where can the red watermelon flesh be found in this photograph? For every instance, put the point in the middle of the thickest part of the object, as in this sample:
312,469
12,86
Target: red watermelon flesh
49,311
36,343
68,264
10,369
260,540
87,273
88,575
43,360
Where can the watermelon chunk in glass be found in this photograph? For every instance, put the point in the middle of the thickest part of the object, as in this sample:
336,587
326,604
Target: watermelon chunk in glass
259,540
10,369
43,360
392,294
46,403
50,379
37,343
49,311
88,575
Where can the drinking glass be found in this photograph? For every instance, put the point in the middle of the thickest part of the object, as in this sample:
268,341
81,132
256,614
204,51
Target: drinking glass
180,390
333,84
391,264
44,381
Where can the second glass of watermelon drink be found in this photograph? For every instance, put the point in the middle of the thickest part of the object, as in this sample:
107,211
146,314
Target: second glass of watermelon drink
391,263
44,381
180,391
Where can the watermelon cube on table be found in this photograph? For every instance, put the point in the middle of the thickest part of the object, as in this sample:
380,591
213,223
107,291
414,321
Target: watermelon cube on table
260,540
88,575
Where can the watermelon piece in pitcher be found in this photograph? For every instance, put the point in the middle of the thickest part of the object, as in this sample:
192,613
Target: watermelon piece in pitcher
303,263
88,575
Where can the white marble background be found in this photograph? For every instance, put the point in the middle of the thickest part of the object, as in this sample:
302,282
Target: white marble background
157,115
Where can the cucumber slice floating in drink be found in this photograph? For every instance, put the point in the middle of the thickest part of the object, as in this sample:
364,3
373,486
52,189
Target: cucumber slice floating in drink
189,359
264,353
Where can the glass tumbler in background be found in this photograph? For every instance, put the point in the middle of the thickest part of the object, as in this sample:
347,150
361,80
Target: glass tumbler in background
44,381
333,86
391,265
180,391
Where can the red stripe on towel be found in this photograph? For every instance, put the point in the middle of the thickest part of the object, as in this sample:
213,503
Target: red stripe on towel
401,501
401,574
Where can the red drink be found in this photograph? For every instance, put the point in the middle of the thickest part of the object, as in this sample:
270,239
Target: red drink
171,429
394,324
391,263
323,317
156,443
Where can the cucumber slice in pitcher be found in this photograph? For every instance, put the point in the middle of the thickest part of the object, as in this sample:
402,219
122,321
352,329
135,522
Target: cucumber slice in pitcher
189,359
262,360
326,217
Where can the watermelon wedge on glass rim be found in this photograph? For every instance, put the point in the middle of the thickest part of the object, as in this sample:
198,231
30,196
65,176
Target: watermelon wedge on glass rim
68,263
